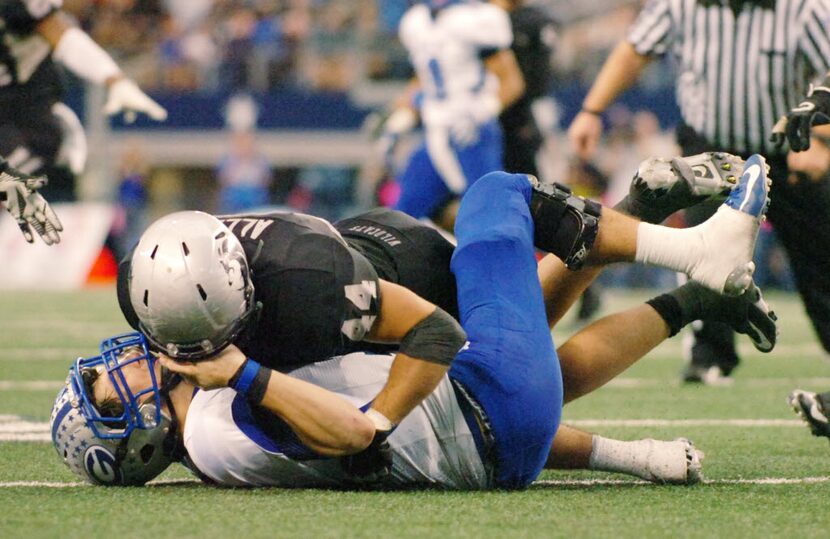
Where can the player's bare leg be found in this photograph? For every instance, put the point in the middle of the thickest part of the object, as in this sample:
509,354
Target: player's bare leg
717,253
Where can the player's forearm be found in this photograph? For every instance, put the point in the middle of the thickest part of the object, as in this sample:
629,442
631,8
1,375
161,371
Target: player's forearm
410,382
325,422
620,72
73,48
511,83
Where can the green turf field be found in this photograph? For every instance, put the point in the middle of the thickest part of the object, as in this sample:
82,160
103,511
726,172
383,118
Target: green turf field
768,478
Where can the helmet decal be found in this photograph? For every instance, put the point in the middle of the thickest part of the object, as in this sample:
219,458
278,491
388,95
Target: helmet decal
101,465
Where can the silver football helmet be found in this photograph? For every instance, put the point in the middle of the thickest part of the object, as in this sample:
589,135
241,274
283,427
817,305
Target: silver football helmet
190,285
129,446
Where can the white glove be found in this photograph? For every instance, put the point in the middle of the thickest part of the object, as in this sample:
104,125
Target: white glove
27,206
125,96
464,130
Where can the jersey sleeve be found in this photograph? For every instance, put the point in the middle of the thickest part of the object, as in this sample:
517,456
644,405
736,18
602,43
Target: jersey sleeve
491,30
815,39
653,31
22,16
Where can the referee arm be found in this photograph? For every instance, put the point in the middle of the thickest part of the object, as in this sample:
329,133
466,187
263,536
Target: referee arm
620,72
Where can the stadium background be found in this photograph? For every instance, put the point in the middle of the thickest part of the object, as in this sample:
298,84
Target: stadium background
300,77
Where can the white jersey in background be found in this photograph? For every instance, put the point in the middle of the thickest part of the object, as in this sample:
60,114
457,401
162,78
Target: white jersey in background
432,445
447,53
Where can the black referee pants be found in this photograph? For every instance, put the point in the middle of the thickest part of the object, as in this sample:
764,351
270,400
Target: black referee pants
800,212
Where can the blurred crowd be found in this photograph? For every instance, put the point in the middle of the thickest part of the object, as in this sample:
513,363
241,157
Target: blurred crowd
208,45
233,46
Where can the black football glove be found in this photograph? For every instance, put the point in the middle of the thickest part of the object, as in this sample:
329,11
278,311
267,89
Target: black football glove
18,192
795,126
373,464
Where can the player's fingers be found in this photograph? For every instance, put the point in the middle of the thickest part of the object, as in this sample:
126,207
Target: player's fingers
183,368
27,233
794,133
779,132
52,218
155,111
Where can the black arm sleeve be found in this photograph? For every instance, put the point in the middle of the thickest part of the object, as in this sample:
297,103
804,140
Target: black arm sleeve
437,338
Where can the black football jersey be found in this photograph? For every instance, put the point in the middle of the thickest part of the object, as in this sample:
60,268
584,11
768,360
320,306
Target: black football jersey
318,295
28,76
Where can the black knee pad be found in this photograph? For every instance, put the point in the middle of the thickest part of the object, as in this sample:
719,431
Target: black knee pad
564,224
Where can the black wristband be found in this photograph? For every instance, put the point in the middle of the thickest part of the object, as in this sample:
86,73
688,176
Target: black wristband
670,311
251,381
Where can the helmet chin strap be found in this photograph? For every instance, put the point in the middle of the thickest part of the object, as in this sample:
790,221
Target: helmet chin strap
173,443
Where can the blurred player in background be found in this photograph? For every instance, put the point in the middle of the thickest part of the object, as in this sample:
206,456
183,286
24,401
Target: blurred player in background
534,36
39,134
465,76
742,65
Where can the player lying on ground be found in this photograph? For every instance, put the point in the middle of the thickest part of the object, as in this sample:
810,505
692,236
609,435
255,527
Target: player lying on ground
19,194
190,284
502,405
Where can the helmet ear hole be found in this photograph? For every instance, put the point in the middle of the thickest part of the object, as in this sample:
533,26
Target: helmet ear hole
202,292
147,453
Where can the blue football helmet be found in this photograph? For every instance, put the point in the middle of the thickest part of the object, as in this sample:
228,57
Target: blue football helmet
129,446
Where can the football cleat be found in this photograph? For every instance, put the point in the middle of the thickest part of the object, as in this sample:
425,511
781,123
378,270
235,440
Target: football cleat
664,186
677,462
811,407
729,236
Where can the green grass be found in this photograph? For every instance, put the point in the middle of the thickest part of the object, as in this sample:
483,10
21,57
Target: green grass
44,332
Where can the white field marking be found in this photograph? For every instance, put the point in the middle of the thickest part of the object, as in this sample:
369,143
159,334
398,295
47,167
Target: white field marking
612,482
66,354
55,484
14,428
645,383
684,423
546,482
29,385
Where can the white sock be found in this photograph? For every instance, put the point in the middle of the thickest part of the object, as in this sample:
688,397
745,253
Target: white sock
677,249
609,455
652,460
717,253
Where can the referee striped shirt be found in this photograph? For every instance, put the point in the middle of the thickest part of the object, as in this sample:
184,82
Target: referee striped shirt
741,65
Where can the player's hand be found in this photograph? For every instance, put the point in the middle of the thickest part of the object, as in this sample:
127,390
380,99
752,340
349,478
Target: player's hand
126,97
28,207
373,464
795,126
210,373
584,134
464,131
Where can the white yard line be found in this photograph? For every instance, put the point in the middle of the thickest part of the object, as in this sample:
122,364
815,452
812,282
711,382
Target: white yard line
612,482
29,385
546,482
684,422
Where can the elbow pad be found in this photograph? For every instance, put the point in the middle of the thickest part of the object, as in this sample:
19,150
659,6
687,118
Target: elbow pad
437,338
